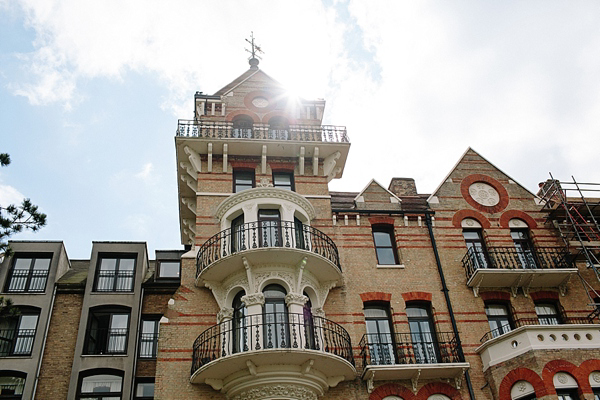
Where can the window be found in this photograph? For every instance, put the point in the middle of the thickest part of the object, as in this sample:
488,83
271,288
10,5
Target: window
567,394
269,228
242,127
524,247
548,314
422,334
276,332
385,245
18,333
149,336
103,385
498,318
168,269
278,128
12,384
144,389
283,180
115,274
476,247
238,242
242,180
379,335
107,331
29,273
240,323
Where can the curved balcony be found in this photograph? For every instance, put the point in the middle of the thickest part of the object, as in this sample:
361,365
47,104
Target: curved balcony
255,350
285,243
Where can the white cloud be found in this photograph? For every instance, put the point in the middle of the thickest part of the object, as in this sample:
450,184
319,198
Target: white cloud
146,173
10,195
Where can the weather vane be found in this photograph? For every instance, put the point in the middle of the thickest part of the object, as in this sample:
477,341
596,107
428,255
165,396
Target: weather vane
255,48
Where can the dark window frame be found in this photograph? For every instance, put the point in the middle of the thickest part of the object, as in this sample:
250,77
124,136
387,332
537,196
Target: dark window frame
546,319
102,342
150,338
115,278
142,380
14,374
99,395
389,230
426,348
16,341
479,254
159,270
30,272
237,173
381,348
287,173
573,393
502,329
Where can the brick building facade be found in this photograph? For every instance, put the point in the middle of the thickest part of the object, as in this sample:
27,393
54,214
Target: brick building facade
287,290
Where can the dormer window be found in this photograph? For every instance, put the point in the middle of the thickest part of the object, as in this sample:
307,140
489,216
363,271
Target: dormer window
242,127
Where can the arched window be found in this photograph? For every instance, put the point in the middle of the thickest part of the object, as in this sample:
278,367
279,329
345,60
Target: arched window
278,128
269,228
519,231
17,333
422,334
107,330
473,235
566,386
100,384
276,332
242,127
240,324
12,384
379,335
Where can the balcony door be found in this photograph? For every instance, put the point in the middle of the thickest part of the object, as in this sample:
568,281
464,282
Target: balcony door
498,318
524,247
476,247
238,242
269,228
309,326
276,333
240,324
379,335
422,334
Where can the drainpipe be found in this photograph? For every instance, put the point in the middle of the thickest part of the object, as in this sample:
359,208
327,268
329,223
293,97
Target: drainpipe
448,302
37,374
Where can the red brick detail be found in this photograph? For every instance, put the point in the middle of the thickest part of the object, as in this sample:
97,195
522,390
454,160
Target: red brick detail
381,220
469,180
375,296
494,295
554,366
593,294
283,167
243,164
462,214
416,296
438,388
510,214
391,389
586,368
544,295
521,374
234,114
185,289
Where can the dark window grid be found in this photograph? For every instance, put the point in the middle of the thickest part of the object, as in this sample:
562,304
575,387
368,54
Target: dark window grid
283,180
28,280
548,314
166,269
16,342
243,180
385,245
149,337
115,280
106,341
100,390
144,389
14,389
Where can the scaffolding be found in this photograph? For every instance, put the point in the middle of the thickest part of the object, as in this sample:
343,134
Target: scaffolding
574,210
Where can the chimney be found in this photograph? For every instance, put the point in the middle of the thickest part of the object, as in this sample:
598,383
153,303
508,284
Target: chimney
403,187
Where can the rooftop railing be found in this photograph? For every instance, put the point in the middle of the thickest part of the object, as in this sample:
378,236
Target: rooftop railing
408,348
271,331
515,258
255,235
225,130
542,320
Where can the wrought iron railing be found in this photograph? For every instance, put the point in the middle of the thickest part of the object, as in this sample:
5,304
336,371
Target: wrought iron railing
26,280
16,342
254,235
225,130
271,331
543,320
114,281
106,341
409,348
514,258
148,343
12,391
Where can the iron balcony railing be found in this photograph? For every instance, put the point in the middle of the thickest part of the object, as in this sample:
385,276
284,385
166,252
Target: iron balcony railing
514,258
114,281
16,342
225,130
542,320
106,341
271,331
148,344
12,391
409,348
27,280
254,235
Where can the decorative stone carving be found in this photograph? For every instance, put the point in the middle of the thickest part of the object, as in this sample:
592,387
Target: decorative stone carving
295,298
224,314
253,299
484,194
562,378
596,376
318,312
275,391
264,182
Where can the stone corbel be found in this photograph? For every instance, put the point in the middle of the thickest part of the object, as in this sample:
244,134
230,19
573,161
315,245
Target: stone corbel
300,267
224,314
263,166
193,184
370,385
190,223
329,169
476,291
210,154
216,384
225,146
295,298
306,367
190,203
189,235
301,160
514,290
415,381
254,299
195,160
251,367
316,161
333,381
562,288
458,379
189,169
248,268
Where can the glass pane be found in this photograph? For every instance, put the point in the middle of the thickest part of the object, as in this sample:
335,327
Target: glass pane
28,322
108,264
385,256
119,320
23,263
382,239
101,384
416,312
126,264
42,263
145,389
545,309
149,326
471,235
282,179
374,312
495,309
169,269
11,385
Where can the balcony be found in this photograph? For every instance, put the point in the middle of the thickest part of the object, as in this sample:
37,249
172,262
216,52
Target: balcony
25,280
411,357
260,243
106,341
16,342
257,350
533,334
225,130
517,268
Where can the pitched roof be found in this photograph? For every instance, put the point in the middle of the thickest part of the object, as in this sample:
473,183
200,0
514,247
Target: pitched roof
243,78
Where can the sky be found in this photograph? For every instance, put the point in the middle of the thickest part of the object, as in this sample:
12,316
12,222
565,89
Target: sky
90,94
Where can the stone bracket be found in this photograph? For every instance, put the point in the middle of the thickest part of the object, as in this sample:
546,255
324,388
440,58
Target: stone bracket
415,381
195,160
301,160
316,161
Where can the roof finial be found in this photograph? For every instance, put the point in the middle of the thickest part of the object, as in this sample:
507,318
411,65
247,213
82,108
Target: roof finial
253,60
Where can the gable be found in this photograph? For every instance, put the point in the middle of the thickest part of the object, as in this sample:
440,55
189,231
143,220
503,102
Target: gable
376,197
